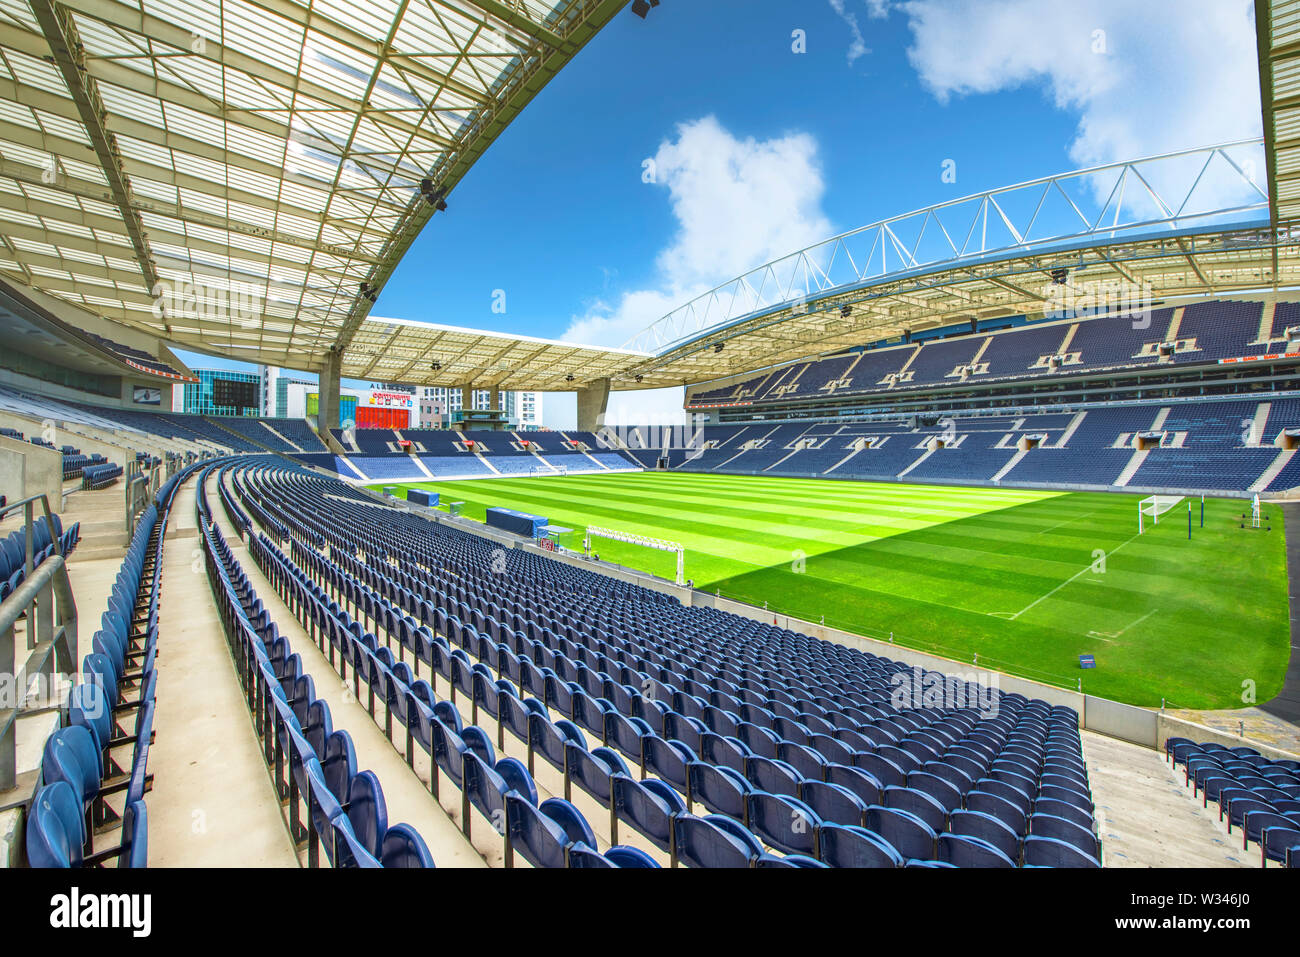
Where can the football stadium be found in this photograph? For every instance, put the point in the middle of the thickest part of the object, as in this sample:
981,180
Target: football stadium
964,540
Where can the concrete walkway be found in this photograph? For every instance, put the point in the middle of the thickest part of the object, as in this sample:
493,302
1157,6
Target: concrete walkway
1146,817
406,793
213,803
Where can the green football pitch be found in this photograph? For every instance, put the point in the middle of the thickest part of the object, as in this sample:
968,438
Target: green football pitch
1025,580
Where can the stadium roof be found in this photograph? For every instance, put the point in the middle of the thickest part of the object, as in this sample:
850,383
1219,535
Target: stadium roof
1184,224
1277,23
227,173
400,350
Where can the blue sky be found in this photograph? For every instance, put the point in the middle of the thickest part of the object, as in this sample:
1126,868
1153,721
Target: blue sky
760,150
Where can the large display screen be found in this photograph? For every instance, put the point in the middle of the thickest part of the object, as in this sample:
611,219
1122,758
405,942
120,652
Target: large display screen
227,394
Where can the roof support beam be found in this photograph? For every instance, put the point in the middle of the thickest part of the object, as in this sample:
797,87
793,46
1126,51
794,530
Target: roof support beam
65,44
520,22
88,189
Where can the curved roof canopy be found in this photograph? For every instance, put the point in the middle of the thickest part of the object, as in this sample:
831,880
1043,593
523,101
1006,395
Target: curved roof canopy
1185,224
228,173
234,176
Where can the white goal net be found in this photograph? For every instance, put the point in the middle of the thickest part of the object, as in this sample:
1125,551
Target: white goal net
655,543
1153,507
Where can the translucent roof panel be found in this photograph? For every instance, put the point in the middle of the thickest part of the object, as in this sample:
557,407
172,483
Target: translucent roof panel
229,173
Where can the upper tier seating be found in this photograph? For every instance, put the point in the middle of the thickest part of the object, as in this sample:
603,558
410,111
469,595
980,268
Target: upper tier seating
137,358
278,435
1204,445
1208,332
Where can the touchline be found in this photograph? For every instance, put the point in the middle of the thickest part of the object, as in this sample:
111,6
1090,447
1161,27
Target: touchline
76,910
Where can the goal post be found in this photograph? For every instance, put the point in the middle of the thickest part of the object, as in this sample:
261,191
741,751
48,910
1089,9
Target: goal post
1153,507
658,544
536,470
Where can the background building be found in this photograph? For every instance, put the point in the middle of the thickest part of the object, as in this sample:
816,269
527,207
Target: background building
438,407
221,392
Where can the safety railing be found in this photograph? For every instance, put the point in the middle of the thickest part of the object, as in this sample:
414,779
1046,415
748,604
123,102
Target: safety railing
43,610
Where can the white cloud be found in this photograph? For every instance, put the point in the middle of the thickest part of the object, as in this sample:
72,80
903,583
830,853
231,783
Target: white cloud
1144,79
738,203
858,44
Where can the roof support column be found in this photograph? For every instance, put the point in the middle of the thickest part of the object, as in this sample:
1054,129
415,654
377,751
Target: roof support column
593,403
327,416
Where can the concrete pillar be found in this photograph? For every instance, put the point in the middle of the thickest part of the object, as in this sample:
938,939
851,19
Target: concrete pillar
327,417
593,403
27,470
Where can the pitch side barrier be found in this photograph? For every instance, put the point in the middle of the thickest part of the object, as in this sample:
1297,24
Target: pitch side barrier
1147,727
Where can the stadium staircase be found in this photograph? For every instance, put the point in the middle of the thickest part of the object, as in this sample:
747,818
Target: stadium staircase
282,437
798,448
404,792
532,447
1014,461
1064,440
220,810
415,457
847,458
598,465
215,422
1283,459
762,438
924,455
1140,455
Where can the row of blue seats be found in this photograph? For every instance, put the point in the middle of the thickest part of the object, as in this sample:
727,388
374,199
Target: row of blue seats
109,710
654,807
552,833
100,476
74,463
479,622
314,764
1258,794
48,538
449,666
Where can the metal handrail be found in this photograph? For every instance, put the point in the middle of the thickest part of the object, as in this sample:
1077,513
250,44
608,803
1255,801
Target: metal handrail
51,639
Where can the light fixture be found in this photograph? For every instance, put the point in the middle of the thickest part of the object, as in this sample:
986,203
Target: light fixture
642,7
719,346
846,310
569,377
435,197
1059,275
639,378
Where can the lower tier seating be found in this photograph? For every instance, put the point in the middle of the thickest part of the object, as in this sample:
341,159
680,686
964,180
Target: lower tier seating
1258,795
94,771
765,728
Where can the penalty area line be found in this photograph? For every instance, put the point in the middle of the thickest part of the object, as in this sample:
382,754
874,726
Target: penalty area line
1082,571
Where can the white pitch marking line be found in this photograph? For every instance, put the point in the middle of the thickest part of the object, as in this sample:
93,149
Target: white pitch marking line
1082,571
1068,521
1109,636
